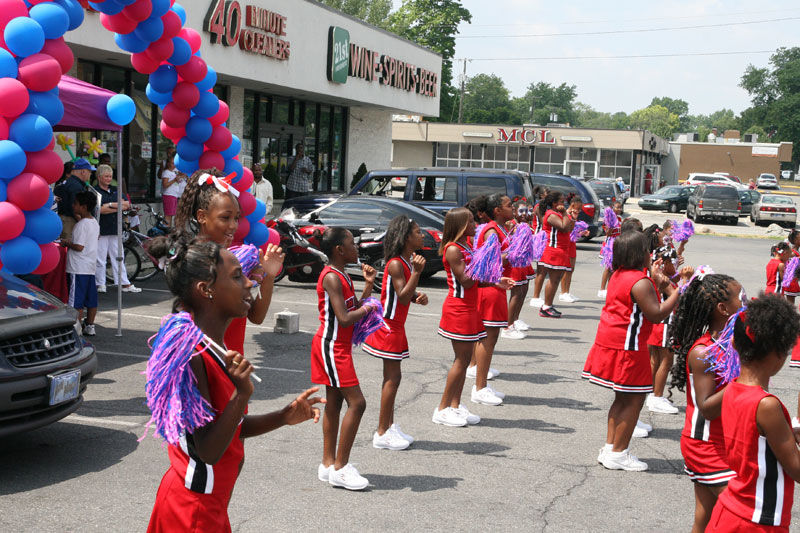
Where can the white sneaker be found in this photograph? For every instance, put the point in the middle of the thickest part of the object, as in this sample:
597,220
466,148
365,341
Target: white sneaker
472,371
647,427
348,477
398,431
88,330
500,395
389,441
448,417
659,404
512,333
324,472
640,433
567,297
493,373
602,454
485,396
101,288
471,418
131,288
601,294
623,460
537,302
521,326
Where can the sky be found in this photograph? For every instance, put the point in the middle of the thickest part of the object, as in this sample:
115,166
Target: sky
707,83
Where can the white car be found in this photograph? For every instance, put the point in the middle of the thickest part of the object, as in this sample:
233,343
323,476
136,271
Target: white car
697,178
787,175
767,181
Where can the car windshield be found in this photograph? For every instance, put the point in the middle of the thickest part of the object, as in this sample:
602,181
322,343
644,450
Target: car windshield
603,188
720,192
776,199
381,186
767,177
668,191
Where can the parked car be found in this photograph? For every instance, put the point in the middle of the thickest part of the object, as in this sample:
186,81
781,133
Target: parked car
767,181
787,175
607,192
696,178
672,198
45,364
774,208
748,197
714,201
438,189
591,211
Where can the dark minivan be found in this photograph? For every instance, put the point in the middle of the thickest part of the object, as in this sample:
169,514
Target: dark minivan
591,210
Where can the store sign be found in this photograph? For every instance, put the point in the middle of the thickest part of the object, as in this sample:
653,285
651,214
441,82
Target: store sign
372,66
482,134
576,139
765,151
262,32
524,136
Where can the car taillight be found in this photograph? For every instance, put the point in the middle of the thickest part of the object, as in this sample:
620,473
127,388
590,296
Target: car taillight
613,199
437,235
700,204
739,206
791,210
765,208
589,210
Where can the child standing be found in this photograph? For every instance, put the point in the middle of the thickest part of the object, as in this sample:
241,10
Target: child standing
759,443
781,253
573,210
619,359
332,357
610,233
555,259
523,212
82,259
400,279
704,308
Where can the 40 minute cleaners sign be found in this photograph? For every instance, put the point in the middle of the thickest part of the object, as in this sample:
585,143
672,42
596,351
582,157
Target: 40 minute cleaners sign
346,59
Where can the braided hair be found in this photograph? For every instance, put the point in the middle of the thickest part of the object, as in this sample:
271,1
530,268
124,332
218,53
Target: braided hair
693,318
770,325
400,227
194,198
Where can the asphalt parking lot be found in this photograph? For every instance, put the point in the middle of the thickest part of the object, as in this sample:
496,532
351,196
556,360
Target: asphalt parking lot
530,464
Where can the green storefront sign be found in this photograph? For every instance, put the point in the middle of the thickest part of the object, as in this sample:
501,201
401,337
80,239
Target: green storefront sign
338,54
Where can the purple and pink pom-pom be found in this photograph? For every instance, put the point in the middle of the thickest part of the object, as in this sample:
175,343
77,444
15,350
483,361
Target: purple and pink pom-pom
369,323
247,254
682,232
721,357
607,253
487,262
539,244
580,227
790,272
610,218
520,249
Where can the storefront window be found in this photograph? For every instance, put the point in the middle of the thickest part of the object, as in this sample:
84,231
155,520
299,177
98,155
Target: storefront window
221,92
310,136
323,157
336,156
548,160
280,111
86,71
615,163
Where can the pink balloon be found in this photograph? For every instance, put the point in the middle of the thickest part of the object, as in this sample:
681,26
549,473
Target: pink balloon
220,139
14,97
192,37
246,181
143,63
222,114
46,164
138,10
10,9
242,230
193,70
3,129
186,95
174,116
211,159
12,221
50,258
59,50
172,25
119,23
274,237
172,133
161,49
247,203
28,191
39,72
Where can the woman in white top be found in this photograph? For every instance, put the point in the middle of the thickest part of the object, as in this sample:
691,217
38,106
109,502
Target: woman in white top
172,183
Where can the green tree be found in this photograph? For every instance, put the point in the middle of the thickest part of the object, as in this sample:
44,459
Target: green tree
486,100
675,105
374,12
546,99
656,119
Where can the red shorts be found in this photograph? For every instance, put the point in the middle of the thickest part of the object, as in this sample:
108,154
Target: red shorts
795,361
170,205
793,289
180,509
724,521
332,363
573,250
460,322
387,343
555,259
620,370
658,336
703,462
493,307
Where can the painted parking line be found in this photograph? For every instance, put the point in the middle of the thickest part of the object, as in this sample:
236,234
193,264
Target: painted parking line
101,421
146,357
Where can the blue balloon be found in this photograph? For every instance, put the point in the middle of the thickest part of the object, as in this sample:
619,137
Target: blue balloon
233,166
177,8
207,106
46,104
74,11
130,43
198,129
24,36
181,53
258,213
164,79
12,159
31,132
8,64
50,201
121,109
109,7
3,192
160,8
187,167
53,19
125,2
209,81
157,97
150,30
21,255
188,150
42,225
233,150
258,234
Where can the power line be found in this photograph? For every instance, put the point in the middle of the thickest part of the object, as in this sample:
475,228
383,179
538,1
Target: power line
632,56
610,32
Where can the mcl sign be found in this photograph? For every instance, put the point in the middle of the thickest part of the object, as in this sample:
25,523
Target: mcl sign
523,136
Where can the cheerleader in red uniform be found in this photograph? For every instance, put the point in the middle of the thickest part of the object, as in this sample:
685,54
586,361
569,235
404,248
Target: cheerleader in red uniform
575,205
610,233
459,323
703,310
781,253
619,359
523,212
209,206
205,462
400,278
555,259
759,443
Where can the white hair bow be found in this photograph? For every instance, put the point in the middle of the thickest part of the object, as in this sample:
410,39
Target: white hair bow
222,184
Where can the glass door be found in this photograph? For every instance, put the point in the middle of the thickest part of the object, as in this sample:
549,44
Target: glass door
580,169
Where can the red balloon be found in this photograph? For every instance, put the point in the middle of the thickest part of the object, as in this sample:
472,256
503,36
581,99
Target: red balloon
211,159
161,49
45,163
14,97
220,139
28,191
172,24
247,203
3,129
221,116
175,116
242,230
193,70
10,9
172,133
49,146
50,258
119,23
274,237
246,181
186,95
143,63
192,37
12,221
60,52
138,10
39,72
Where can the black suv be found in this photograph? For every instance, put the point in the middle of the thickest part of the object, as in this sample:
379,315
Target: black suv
45,365
592,205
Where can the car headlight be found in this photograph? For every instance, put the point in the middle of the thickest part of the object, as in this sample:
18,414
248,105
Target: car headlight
660,201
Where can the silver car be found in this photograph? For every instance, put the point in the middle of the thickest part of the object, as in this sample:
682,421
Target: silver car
774,208
767,181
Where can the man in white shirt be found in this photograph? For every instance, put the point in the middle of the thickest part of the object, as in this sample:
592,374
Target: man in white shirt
261,188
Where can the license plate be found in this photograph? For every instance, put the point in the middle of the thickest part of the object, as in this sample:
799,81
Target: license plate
718,214
64,386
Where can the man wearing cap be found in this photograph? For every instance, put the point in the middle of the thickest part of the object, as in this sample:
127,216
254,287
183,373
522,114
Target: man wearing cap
75,183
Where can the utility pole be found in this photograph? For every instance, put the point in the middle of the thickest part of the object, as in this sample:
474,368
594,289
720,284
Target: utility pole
461,99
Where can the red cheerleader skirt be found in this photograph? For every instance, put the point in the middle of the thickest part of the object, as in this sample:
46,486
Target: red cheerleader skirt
620,370
493,307
555,259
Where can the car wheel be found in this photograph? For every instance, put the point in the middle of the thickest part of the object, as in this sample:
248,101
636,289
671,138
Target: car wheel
379,265
751,218
673,208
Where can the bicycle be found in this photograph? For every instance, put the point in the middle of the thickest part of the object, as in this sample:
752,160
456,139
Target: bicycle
139,264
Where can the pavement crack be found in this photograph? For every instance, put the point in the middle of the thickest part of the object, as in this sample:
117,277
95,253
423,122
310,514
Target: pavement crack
584,476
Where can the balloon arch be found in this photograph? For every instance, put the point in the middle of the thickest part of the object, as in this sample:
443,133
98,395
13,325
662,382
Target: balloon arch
34,56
